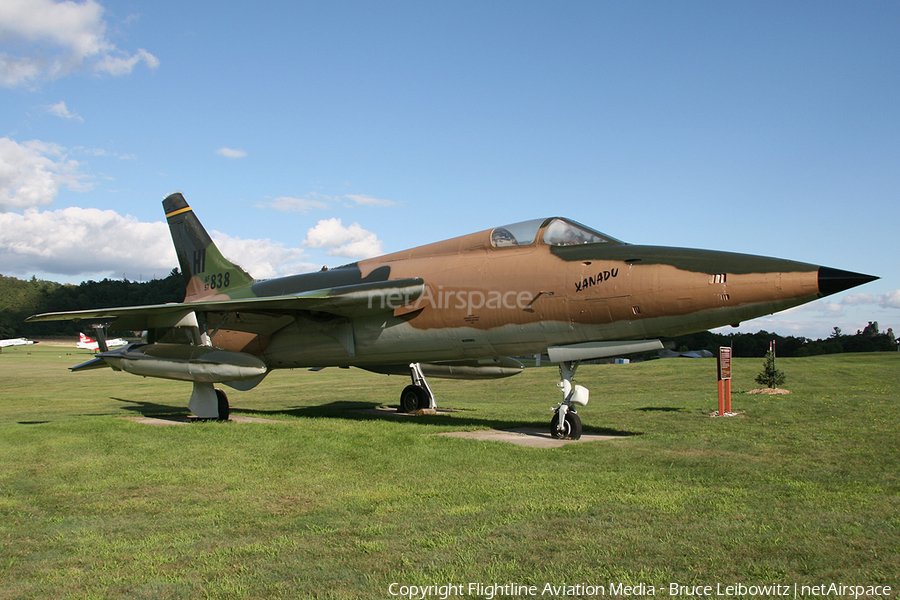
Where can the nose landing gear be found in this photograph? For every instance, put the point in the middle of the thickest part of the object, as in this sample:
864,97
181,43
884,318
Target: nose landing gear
566,424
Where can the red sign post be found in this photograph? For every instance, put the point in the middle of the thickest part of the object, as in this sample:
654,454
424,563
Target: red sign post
724,364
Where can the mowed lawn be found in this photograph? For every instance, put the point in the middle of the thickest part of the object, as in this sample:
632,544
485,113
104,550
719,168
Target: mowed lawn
330,501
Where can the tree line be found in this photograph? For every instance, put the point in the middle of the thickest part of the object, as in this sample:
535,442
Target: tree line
868,339
20,299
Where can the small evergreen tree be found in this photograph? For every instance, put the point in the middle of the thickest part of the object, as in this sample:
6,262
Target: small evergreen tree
770,377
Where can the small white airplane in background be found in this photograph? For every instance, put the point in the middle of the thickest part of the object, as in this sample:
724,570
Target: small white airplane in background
86,343
16,342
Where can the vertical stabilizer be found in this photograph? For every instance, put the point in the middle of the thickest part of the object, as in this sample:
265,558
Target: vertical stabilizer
206,272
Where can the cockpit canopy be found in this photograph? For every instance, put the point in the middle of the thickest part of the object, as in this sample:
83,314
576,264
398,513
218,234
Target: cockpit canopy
557,232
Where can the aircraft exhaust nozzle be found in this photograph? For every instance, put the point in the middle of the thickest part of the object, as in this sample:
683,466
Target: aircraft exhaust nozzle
201,364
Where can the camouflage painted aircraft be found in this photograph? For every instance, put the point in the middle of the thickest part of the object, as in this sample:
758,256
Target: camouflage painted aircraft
458,308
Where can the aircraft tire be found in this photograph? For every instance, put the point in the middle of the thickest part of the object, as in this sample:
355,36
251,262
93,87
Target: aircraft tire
412,398
224,409
571,430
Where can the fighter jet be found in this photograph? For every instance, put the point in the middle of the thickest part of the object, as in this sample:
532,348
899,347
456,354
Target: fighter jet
16,342
459,308
86,343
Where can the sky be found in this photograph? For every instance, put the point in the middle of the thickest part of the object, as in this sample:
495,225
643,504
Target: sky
317,133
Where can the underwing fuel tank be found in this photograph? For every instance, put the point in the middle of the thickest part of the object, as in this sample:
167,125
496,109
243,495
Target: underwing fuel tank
489,368
202,364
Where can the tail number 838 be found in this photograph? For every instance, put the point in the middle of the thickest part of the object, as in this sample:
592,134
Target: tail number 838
218,280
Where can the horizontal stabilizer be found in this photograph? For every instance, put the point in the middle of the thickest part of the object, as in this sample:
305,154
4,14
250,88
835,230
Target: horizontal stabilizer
589,350
94,363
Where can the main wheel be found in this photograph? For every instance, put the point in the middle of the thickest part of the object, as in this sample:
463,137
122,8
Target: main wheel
412,398
571,428
224,409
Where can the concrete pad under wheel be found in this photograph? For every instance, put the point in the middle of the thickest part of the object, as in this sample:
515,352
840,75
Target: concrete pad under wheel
526,436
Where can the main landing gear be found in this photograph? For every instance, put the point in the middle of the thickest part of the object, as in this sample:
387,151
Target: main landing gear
566,424
418,395
209,403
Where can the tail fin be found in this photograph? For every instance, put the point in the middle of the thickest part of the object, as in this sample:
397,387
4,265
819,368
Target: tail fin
206,272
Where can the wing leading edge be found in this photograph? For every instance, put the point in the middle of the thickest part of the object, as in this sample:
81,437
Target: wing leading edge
344,301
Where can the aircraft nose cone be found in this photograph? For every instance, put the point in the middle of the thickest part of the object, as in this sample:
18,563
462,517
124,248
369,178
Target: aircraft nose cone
832,281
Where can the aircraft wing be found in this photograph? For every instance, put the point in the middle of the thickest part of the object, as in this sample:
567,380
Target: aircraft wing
345,301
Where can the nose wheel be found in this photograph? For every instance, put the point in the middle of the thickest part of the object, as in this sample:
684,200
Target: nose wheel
571,426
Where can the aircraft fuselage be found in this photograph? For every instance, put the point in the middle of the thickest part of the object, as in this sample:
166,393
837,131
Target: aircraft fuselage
481,301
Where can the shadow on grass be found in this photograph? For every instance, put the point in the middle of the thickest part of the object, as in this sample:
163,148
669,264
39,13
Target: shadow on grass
660,409
151,409
365,411
370,411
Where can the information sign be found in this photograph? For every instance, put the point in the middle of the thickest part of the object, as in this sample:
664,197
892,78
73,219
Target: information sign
724,363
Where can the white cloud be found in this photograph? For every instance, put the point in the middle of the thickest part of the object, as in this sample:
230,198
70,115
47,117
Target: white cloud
349,242
231,153
301,205
123,65
18,71
831,308
90,151
263,259
31,174
859,299
73,241
364,200
60,110
58,38
88,243
890,300
315,200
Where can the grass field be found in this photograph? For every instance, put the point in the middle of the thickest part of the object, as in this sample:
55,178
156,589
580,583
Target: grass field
329,502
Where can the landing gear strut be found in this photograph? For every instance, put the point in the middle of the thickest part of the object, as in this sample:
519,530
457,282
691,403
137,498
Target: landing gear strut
418,395
566,424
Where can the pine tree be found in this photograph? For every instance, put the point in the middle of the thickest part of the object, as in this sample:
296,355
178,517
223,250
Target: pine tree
770,377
